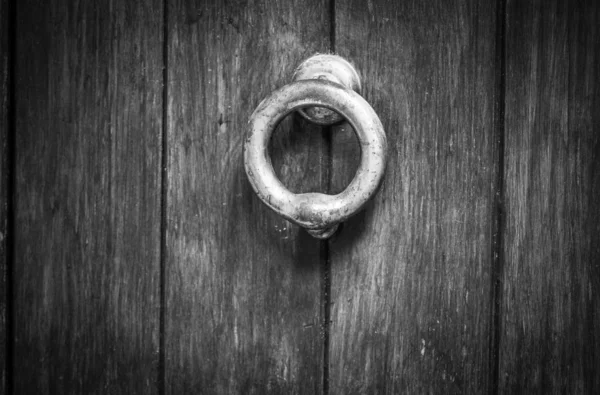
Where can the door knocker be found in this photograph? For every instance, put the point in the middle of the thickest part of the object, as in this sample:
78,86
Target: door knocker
324,91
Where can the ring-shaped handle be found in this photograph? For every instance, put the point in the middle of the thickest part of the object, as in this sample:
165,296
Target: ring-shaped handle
319,213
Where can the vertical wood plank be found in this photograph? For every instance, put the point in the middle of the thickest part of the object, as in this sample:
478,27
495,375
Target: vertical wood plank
550,340
4,172
411,274
242,285
88,182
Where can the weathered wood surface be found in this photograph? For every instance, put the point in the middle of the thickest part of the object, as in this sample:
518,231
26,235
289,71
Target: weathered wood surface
550,328
411,275
88,182
4,174
408,283
243,289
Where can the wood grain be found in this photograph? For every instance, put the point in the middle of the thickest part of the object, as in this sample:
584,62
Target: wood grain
550,340
411,274
88,182
243,290
4,174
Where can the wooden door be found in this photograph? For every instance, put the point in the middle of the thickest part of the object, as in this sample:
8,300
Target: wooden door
137,259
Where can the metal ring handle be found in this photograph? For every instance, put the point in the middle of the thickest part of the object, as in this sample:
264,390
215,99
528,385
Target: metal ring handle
319,213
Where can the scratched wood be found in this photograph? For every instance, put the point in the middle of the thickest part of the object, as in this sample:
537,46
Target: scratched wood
243,289
550,326
88,182
411,274
4,146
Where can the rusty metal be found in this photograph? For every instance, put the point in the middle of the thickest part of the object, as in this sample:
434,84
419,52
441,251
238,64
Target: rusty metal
319,213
